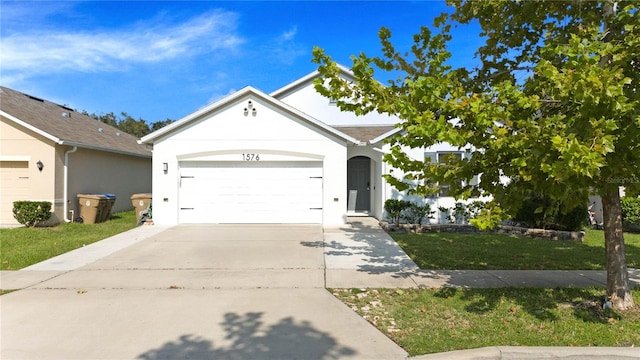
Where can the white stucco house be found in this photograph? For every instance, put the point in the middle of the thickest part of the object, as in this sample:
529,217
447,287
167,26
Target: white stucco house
286,157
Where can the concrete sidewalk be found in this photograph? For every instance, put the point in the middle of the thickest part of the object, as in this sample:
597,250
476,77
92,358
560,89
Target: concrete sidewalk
360,254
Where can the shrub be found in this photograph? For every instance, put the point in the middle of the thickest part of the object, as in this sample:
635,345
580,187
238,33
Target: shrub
394,209
416,212
31,213
461,213
630,212
543,212
444,214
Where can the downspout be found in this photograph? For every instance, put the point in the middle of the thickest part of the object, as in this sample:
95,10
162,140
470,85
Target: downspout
66,183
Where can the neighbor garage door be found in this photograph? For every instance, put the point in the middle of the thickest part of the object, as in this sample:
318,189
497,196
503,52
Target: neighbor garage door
14,186
251,192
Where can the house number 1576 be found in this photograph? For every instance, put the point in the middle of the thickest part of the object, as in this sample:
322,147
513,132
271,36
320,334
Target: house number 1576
251,157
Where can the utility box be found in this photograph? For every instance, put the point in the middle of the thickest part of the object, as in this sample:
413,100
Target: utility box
91,207
140,202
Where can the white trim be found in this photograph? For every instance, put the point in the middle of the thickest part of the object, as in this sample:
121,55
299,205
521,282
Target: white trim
30,127
66,184
98,148
66,142
385,135
245,92
283,90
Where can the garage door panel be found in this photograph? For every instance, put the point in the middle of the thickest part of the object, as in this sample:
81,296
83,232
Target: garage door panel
14,186
251,192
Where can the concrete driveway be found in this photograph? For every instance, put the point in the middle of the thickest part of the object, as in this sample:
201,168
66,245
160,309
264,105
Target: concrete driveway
193,291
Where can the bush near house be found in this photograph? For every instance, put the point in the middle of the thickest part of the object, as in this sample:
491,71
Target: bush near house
538,211
415,213
394,209
630,213
408,211
461,213
31,213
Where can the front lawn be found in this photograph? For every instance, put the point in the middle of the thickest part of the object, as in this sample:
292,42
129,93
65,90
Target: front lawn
429,321
426,321
446,251
22,247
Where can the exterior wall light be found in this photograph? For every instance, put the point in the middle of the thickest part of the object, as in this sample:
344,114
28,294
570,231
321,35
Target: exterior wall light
40,165
165,167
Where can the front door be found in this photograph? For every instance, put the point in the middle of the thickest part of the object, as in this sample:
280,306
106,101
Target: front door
359,183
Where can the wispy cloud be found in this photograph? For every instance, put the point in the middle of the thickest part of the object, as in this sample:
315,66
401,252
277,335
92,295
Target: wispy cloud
27,53
289,34
285,49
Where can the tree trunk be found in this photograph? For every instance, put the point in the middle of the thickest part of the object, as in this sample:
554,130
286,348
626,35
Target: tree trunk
618,288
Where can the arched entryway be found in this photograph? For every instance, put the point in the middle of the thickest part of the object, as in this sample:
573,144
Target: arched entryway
359,184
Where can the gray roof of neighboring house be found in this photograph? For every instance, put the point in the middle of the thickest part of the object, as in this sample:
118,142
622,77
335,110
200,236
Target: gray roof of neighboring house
66,126
365,133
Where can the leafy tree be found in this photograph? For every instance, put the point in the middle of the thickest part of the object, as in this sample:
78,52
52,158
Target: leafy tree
554,106
160,124
128,124
137,128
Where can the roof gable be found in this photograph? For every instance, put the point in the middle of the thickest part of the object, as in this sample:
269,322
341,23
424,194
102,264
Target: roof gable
65,126
307,79
368,133
247,92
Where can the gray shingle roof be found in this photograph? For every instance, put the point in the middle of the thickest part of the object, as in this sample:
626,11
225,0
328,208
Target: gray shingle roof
365,133
67,126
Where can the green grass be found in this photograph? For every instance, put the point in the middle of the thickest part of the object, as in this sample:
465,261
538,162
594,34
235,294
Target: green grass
446,251
428,321
21,247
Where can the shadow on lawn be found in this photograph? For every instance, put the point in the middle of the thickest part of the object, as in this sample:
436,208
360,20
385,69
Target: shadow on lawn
247,337
542,304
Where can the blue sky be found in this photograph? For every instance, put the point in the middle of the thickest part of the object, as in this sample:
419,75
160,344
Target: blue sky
165,59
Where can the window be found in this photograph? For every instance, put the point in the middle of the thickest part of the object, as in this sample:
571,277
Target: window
442,158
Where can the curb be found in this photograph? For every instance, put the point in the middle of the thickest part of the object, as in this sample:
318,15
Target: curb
535,352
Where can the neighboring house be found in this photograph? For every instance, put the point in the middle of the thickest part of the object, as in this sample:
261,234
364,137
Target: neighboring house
286,157
78,155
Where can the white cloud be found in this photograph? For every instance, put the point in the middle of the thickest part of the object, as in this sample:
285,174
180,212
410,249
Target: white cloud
290,34
33,52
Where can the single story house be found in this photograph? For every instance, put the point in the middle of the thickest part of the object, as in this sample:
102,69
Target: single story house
286,157
49,152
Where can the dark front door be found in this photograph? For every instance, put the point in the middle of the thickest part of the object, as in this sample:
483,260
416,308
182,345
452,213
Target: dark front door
359,179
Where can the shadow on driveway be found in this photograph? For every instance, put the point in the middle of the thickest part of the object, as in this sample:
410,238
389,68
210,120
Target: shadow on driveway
250,338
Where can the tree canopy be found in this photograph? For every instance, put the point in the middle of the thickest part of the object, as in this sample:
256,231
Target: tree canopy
128,124
554,107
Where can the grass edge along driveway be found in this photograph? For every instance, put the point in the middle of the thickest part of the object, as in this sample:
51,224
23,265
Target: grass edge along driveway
22,247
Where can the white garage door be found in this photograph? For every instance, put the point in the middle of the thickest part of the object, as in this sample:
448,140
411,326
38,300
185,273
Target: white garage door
251,192
14,186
